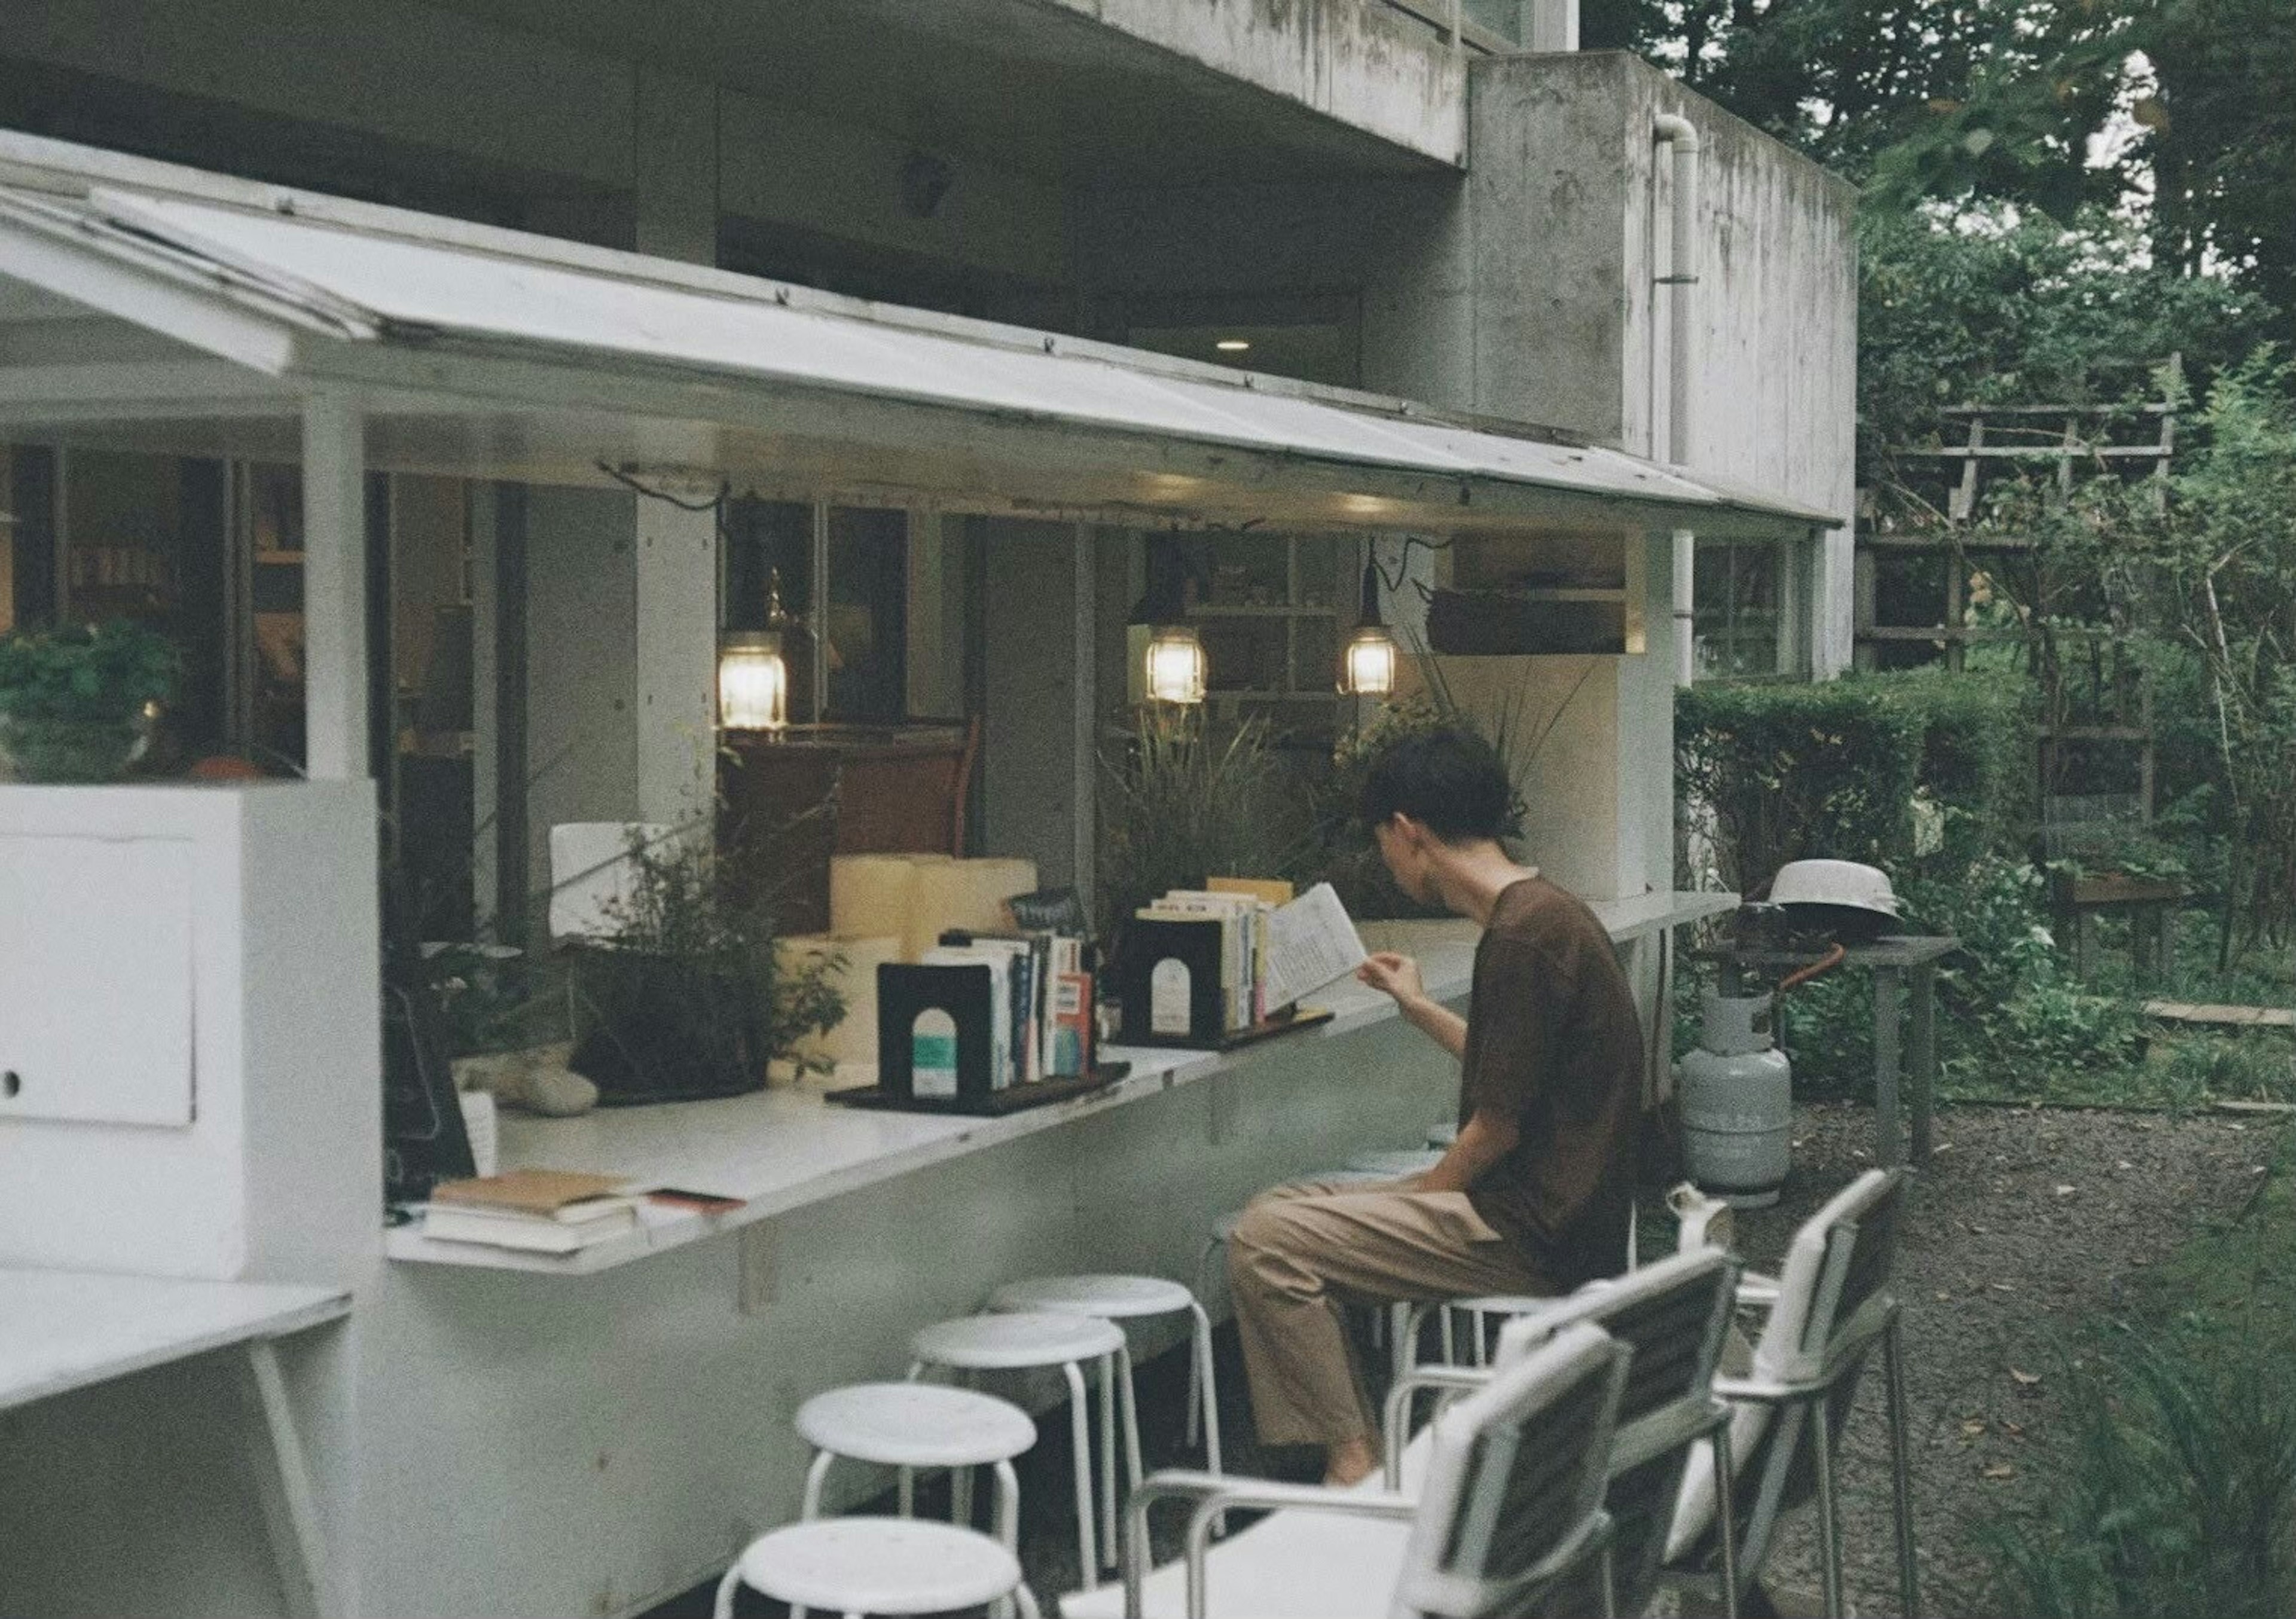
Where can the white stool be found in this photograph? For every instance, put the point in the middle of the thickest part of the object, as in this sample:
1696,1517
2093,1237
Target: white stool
1478,1310
888,1566
919,1424
1390,1321
1120,1298
1022,1342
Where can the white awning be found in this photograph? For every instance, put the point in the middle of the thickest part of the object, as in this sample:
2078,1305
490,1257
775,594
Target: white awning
494,354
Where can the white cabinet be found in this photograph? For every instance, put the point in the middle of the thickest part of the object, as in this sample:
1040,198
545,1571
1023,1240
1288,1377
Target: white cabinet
188,1010
96,979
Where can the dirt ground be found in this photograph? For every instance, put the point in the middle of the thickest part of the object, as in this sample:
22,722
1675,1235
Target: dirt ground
2026,1221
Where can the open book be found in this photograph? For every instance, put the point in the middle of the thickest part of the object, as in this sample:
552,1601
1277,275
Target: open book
1311,943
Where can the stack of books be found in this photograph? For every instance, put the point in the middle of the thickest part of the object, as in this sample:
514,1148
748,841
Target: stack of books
1243,908
540,1211
1211,963
1040,1001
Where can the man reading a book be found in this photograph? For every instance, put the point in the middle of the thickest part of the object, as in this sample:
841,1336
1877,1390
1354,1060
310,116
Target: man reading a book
1534,1195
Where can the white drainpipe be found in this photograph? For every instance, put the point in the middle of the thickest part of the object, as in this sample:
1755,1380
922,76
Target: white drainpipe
1682,274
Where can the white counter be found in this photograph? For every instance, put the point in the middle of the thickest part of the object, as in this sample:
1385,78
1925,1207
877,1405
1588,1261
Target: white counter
68,1330
782,1149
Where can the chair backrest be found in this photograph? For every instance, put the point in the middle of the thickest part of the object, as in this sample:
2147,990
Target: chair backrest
1670,1316
1835,1277
1834,1296
1512,1503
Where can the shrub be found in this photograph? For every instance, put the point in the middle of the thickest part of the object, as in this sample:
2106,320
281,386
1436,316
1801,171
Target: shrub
77,702
1837,771
1788,773
1180,804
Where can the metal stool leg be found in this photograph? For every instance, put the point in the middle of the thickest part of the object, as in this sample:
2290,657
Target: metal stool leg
1008,1506
814,1476
1197,1397
1129,1396
1829,1522
1107,1460
1080,1437
723,1607
1008,1524
1202,1362
1725,1516
1909,1590
907,1484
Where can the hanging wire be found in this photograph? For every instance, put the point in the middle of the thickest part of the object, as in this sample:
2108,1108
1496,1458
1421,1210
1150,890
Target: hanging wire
1394,581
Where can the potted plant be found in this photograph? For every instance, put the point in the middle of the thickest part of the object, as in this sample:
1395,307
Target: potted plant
1181,803
687,1001
77,702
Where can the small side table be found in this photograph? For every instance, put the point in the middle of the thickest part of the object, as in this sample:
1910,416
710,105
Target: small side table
1892,961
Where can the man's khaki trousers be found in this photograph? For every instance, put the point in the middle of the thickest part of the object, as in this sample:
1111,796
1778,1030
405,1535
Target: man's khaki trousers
1303,1250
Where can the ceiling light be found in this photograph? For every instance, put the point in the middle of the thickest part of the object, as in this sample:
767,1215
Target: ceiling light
1233,345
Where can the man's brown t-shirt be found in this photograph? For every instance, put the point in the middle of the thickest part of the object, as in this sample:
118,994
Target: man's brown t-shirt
1554,1038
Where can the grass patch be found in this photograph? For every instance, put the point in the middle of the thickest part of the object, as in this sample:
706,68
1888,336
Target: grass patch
2175,1461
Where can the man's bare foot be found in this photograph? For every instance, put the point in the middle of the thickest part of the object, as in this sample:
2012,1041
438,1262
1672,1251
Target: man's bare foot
1349,1463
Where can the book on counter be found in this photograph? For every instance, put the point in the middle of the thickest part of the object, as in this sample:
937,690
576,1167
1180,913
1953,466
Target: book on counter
1205,965
543,1211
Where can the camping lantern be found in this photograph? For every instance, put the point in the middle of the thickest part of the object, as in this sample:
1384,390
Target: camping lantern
752,682
1367,664
753,671
1175,667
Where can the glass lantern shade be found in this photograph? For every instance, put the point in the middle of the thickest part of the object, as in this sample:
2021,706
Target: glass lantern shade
1367,667
752,682
1176,666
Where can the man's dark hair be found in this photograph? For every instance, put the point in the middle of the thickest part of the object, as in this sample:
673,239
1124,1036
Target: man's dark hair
1450,781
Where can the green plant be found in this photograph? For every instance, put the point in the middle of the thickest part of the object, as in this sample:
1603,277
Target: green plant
1181,804
2174,1476
1786,772
687,999
78,701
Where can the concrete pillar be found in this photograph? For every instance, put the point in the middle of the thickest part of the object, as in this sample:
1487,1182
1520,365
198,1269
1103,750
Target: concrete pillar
675,175
1036,759
1549,25
676,663
334,590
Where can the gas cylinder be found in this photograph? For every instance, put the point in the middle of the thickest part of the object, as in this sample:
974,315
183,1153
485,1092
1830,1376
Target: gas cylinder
1736,1097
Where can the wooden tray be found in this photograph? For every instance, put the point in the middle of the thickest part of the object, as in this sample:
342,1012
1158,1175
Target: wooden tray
1012,1098
1267,1028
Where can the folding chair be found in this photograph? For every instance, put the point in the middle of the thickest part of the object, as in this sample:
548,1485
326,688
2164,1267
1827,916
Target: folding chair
1670,1316
1509,1513
1830,1303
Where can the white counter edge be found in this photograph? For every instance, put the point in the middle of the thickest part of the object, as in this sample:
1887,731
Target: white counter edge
1448,963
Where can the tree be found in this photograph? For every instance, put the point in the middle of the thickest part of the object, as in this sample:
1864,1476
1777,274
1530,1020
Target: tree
1942,97
2220,138
1991,306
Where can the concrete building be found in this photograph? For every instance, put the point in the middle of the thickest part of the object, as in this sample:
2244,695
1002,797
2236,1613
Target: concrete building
1418,236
